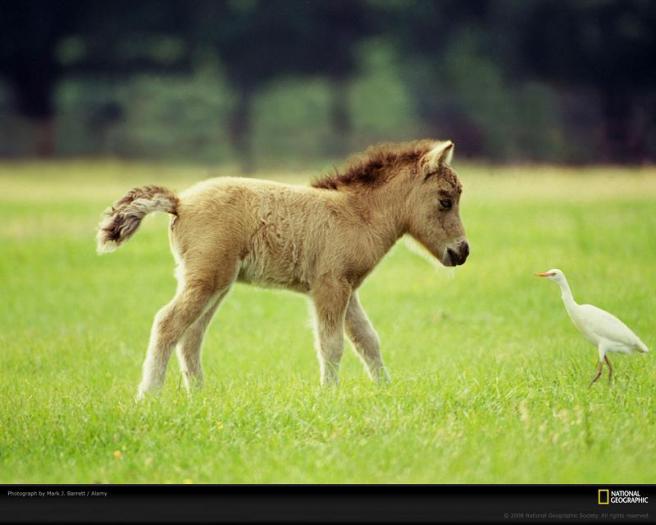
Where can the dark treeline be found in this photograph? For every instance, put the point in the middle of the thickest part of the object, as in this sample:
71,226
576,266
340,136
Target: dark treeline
526,80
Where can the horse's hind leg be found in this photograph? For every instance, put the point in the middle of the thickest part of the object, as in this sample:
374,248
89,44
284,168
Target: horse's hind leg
330,300
189,347
171,322
169,325
365,339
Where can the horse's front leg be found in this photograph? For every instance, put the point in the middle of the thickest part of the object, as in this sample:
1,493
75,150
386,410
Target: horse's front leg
330,298
365,339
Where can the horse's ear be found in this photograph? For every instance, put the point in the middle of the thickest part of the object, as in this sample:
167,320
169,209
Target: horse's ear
440,155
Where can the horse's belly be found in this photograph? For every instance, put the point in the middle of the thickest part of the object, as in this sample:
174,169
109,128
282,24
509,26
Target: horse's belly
276,257
270,276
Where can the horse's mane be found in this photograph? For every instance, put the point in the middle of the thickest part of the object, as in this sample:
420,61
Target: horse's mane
375,165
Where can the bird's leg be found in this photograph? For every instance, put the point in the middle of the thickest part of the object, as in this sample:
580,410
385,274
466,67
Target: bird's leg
610,369
602,349
600,366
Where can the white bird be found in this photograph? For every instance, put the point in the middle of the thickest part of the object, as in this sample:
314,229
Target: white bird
602,329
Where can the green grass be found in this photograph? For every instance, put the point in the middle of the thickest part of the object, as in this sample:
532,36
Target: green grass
490,379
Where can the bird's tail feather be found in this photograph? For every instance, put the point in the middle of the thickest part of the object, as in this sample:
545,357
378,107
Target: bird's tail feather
642,346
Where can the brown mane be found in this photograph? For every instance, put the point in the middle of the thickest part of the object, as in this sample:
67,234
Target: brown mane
371,168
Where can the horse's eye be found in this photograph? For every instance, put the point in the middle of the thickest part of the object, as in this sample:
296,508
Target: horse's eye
446,204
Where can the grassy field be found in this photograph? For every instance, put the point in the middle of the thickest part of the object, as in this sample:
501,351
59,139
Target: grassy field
490,379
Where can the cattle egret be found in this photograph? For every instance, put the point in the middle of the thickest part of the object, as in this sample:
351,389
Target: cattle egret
602,329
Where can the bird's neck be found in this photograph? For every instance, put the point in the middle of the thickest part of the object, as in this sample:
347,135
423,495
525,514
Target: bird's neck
566,294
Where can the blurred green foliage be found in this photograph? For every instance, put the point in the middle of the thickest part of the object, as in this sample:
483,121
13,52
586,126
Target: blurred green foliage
291,81
183,117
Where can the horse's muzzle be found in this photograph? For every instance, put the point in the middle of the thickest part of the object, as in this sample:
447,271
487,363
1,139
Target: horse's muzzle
457,256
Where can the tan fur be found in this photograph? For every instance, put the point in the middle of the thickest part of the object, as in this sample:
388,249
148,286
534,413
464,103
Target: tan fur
121,220
322,241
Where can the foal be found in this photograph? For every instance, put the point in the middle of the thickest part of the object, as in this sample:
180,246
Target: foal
321,240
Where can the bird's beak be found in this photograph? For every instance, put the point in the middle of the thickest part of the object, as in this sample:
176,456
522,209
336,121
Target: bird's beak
543,274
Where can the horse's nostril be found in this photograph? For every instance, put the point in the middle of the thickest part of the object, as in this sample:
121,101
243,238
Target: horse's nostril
459,255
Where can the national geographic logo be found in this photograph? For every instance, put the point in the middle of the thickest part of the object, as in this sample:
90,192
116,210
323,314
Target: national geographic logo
606,496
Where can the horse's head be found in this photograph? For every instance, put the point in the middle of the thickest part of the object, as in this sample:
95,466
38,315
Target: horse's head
433,206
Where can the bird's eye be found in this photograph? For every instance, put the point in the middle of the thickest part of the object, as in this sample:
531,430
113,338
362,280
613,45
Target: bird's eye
446,204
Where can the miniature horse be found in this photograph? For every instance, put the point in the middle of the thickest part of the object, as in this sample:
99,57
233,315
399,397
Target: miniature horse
321,240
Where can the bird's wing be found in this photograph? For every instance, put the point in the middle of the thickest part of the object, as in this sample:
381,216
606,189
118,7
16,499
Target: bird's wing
606,325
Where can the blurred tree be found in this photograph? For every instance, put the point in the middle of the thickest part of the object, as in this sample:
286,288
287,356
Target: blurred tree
491,74
607,46
41,41
336,30
258,41
29,34
423,32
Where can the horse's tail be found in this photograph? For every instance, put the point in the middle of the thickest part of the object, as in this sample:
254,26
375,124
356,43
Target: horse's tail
120,221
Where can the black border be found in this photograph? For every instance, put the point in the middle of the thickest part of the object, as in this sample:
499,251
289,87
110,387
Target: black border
325,504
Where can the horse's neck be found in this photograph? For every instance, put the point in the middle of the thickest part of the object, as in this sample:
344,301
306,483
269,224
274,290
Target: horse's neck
384,222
